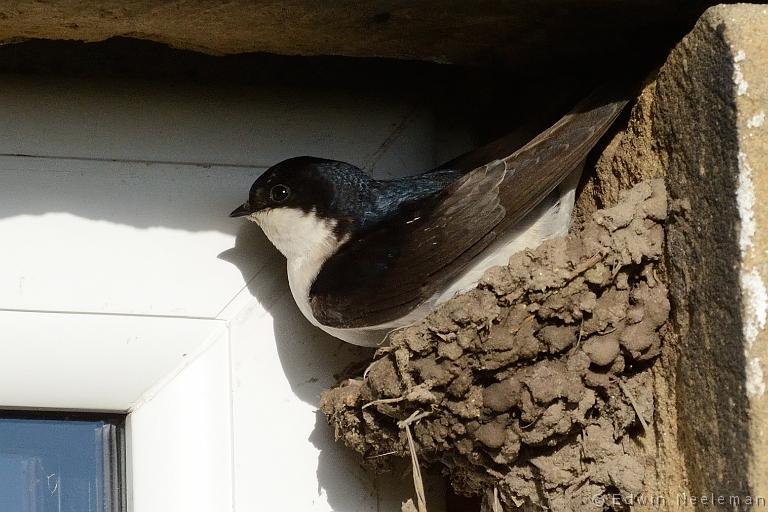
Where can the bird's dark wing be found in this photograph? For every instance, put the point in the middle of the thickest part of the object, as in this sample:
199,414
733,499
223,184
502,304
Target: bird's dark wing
387,272
391,269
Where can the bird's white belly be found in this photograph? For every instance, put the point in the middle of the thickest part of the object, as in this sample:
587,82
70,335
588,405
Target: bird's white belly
550,219
301,275
306,245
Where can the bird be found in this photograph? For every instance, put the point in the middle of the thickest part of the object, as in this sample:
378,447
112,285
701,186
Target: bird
366,257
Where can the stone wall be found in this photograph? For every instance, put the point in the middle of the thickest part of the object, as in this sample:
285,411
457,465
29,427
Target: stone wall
702,123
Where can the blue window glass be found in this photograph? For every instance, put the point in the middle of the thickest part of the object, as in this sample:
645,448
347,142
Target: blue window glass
61,464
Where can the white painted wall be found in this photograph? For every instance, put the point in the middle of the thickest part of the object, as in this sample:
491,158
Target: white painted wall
124,286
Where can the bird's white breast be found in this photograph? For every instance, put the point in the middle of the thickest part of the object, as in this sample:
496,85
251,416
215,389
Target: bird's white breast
306,241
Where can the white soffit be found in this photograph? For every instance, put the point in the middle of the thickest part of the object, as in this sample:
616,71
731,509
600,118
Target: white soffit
171,122
93,362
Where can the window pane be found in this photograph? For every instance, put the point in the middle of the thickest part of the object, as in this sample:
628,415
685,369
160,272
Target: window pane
60,464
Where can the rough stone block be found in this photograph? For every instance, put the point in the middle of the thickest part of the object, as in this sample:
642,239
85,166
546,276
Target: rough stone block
702,123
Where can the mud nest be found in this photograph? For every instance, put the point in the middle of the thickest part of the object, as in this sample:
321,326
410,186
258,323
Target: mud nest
537,384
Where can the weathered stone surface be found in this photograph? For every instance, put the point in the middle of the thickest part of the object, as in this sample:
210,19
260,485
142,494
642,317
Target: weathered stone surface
702,122
695,128
519,32
746,32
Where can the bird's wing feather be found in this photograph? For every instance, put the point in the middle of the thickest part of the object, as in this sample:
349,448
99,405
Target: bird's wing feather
390,270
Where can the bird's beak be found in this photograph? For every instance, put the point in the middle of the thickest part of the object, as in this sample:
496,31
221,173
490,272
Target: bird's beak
241,211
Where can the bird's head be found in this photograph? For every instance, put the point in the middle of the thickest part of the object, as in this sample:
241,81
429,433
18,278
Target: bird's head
304,202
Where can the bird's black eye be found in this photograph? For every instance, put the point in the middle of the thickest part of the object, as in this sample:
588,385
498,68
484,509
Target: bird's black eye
279,193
